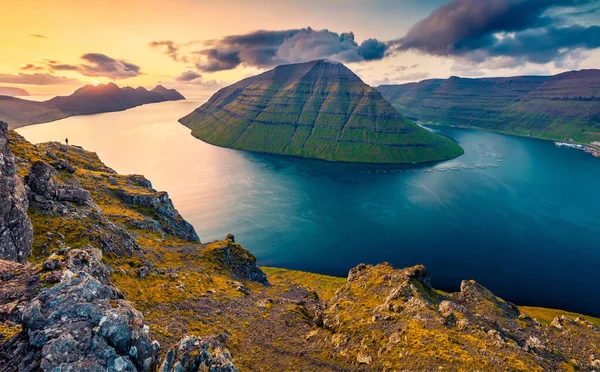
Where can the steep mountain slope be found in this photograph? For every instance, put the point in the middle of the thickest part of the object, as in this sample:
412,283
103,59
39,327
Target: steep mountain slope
551,107
318,109
86,100
114,268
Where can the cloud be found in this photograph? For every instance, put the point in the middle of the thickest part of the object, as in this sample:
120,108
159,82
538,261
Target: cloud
404,78
31,67
57,66
192,78
524,30
265,49
38,36
94,64
404,68
35,79
169,48
102,65
187,76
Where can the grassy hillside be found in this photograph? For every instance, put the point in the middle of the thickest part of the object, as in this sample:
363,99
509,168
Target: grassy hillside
379,318
318,110
556,107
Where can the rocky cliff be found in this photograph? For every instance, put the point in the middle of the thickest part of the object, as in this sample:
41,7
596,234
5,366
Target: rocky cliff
118,281
16,233
563,106
86,100
319,110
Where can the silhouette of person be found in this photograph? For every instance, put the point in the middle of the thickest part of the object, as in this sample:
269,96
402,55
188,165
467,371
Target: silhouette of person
67,141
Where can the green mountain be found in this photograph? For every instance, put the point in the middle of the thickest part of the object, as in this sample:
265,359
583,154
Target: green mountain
549,107
319,110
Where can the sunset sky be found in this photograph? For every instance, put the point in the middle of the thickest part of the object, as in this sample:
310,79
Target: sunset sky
52,47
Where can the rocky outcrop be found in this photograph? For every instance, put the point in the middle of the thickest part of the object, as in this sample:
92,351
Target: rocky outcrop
19,283
83,325
198,354
45,188
88,260
16,233
51,196
238,260
164,211
386,318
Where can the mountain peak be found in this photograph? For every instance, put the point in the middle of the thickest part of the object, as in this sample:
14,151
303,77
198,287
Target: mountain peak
318,109
170,94
100,89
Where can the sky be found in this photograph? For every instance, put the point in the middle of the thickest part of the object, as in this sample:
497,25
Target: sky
197,46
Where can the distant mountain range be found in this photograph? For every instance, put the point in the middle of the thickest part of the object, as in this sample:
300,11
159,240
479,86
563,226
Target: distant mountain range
319,110
13,92
87,100
562,106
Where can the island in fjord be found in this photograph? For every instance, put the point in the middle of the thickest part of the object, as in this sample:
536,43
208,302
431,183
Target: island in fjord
320,110
86,100
555,107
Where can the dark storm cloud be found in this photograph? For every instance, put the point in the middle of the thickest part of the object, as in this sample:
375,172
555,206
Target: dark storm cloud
218,60
269,48
517,28
188,76
35,79
102,65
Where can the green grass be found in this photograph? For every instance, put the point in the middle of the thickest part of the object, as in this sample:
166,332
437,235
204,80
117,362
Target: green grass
322,115
545,316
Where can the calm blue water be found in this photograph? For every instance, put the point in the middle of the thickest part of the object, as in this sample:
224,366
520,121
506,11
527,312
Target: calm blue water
527,228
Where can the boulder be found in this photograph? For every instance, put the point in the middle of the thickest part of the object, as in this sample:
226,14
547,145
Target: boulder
16,232
238,260
82,324
42,181
88,260
193,354
167,216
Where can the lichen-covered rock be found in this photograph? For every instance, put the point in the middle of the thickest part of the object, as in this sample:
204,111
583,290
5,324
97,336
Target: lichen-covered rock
43,183
238,260
193,354
398,319
483,302
165,213
16,233
19,283
88,260
83,325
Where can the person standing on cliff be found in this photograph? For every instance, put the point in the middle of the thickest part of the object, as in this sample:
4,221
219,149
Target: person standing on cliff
67,141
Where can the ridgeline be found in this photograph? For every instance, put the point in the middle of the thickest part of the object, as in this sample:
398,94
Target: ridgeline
86,100
556,107
318,110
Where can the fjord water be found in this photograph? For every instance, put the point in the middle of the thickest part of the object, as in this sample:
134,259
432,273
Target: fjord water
527,227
